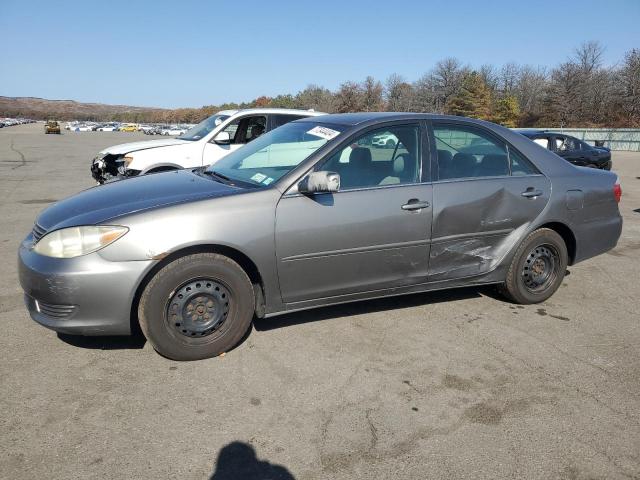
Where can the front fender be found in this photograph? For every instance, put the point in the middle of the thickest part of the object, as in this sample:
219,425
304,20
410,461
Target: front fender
167,166
177,156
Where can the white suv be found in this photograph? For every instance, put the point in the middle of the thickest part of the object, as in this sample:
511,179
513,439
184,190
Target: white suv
204,144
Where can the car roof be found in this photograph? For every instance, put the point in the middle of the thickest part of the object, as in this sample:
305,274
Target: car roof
286,111
529,132
353,119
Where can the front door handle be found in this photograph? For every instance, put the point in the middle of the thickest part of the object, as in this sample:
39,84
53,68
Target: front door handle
415,204
531,193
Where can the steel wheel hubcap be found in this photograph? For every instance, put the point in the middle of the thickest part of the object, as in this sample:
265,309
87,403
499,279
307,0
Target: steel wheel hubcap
198,308
539,269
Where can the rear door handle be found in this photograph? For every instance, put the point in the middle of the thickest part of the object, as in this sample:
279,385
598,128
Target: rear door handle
531,193
415,204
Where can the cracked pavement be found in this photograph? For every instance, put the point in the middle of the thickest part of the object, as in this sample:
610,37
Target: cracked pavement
453,384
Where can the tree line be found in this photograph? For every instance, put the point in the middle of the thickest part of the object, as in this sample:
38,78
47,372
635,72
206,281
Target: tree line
580,92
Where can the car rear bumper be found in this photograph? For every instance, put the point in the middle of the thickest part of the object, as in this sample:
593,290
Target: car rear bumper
85,295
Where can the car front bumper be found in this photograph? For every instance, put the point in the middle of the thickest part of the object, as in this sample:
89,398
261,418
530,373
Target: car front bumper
86,295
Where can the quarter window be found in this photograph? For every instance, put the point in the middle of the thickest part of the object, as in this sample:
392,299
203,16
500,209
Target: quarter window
384,157
520,165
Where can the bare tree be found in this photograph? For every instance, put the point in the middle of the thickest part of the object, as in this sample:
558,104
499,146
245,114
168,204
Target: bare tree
508,78
372,90
490,76
530,88
628,95
447,78
424,94
399,94
588,56
349,98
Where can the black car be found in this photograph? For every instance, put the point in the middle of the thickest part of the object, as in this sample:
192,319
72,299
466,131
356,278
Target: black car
571,149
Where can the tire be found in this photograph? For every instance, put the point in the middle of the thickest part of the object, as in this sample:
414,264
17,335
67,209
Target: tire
196,307
537,268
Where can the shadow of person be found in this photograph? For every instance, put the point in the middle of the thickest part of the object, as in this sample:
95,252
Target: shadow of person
238,460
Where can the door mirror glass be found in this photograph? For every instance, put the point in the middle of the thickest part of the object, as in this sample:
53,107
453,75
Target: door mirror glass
222,138
319,182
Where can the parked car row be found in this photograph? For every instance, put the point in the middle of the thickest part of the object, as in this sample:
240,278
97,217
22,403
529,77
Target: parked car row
311,213
126,127
10,122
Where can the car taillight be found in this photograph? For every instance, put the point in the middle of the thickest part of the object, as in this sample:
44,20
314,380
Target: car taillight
617,191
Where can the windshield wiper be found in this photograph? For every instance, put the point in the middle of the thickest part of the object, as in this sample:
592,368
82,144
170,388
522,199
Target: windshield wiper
219,176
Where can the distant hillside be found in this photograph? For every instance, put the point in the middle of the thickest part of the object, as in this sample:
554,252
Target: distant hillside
40,108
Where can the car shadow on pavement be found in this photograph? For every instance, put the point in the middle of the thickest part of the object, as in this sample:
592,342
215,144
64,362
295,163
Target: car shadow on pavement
132,342
238,460
377,305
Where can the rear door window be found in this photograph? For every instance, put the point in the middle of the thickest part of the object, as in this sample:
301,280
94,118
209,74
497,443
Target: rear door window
470,152
543,142
467,152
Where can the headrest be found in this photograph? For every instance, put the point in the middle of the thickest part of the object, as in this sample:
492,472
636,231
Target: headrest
494,164
360,157
399,164
444,157
256,130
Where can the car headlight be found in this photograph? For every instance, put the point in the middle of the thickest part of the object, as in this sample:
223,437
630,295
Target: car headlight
76,241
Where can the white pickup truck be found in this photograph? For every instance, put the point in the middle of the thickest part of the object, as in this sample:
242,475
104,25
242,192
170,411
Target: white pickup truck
204,144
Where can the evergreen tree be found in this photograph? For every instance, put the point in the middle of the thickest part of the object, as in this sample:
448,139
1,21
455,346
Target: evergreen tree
473,99
507,111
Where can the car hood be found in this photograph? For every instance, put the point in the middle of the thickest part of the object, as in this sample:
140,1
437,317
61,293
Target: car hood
603,149
134,146
105,202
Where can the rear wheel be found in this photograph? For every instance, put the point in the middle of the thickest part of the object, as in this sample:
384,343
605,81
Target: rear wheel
537,268
198,306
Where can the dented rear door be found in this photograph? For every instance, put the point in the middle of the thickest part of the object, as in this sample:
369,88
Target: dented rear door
481,207
477,221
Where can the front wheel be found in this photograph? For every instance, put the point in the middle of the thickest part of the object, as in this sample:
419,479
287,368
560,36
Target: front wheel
196,307
537,268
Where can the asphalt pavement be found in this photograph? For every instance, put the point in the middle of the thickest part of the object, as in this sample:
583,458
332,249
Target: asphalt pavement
456,384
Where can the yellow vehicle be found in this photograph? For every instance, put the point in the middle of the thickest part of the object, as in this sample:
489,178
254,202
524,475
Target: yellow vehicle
52,127
129,128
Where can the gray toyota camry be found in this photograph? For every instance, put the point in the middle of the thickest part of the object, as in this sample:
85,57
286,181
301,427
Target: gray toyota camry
320,211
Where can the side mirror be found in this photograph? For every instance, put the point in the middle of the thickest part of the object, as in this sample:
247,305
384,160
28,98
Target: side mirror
222,138
319,182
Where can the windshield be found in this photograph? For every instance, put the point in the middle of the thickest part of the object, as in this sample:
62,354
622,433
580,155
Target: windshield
274,154
203,128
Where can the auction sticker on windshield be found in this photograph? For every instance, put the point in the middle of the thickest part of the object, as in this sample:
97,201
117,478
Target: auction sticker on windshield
323,132
258,177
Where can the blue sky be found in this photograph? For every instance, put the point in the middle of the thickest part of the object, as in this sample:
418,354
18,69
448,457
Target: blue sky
194,53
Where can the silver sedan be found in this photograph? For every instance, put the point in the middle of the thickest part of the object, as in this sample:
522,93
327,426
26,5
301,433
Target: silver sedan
311,214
